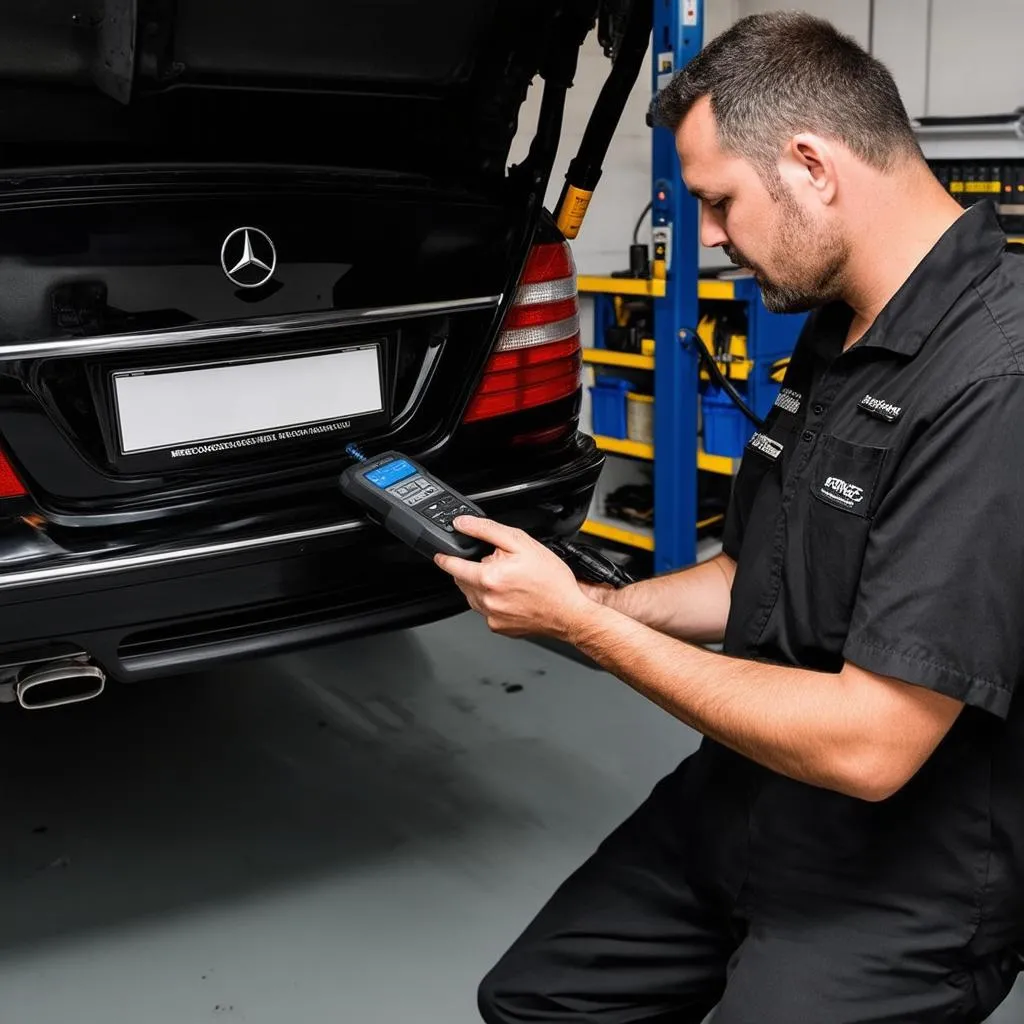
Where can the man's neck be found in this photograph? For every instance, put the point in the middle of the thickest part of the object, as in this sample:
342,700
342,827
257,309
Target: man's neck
901,233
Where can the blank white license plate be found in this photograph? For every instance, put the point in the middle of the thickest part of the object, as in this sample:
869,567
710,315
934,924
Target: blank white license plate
164,408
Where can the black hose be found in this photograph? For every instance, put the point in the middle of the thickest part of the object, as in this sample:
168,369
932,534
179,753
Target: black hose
639,222
726,385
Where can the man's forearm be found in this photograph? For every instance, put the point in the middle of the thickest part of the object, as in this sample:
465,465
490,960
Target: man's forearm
852,732
690,605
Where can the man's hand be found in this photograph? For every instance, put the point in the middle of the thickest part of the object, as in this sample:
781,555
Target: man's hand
522,589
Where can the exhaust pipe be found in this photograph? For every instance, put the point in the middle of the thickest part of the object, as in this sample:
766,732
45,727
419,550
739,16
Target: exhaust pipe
68,682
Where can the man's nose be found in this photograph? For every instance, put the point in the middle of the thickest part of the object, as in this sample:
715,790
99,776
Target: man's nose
711,231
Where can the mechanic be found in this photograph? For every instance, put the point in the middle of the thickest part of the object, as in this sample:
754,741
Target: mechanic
847,845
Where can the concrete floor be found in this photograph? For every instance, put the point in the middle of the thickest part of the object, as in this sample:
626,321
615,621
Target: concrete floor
349,834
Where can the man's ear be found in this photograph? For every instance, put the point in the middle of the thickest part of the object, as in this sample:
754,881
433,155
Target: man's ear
809,163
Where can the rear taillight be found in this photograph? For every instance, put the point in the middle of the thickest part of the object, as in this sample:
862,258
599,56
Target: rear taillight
537,358
10,485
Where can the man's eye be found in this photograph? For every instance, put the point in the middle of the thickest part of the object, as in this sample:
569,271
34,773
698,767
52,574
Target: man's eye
718,204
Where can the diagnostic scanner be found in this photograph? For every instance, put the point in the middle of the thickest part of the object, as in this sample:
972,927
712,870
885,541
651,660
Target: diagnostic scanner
417,508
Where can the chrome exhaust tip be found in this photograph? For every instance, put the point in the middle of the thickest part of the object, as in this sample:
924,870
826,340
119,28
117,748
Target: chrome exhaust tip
57,685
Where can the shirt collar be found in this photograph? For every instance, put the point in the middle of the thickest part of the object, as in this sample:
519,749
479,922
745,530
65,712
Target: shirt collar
966,253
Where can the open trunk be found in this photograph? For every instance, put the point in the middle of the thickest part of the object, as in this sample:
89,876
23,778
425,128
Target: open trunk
387,85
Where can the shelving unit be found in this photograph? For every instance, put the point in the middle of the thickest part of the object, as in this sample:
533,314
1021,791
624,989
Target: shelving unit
639,537
639,450
622,446
630,360
651,288
980,159
668,361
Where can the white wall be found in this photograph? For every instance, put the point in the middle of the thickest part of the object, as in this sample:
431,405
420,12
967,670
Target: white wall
900,40
975,57
849,16
948,57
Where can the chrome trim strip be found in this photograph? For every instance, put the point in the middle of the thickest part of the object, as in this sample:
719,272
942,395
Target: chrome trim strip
255,328
125,563
102,567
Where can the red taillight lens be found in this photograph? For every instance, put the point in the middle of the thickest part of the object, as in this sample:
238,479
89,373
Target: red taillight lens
537,359
543,313
555,352
551,261
10,485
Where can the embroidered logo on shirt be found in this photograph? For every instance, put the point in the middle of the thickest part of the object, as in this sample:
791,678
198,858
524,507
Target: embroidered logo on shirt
789,400
842,493
881,409
764,444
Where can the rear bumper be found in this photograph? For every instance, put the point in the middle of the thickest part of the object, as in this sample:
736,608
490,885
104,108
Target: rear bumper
176,608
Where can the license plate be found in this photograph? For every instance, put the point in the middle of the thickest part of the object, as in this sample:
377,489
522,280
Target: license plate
159,409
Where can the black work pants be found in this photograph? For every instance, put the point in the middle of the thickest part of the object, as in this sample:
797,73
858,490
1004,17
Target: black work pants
633,937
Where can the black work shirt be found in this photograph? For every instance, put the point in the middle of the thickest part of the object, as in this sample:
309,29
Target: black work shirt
879,519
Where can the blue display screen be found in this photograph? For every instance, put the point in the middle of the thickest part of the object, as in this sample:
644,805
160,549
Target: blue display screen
390,473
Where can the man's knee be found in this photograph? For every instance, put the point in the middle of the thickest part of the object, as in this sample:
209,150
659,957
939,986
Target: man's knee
498,1001
514,994
488,1001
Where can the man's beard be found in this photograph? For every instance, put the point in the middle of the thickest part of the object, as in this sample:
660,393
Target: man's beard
808,286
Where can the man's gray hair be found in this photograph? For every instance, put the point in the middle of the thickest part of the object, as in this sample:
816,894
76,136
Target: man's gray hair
772,76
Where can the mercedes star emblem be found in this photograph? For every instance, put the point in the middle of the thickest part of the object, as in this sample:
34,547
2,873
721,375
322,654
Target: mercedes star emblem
248,257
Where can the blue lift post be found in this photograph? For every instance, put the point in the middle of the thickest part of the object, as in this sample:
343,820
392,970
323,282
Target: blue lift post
677,39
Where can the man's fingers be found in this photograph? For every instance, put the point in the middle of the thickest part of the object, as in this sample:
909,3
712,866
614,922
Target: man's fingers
460,569
501,536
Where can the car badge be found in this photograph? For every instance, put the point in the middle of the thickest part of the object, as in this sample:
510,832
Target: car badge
248,257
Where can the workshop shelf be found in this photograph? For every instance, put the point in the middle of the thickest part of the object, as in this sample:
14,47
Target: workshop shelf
651,287
619,533
638,450
623,446
716,463
608,357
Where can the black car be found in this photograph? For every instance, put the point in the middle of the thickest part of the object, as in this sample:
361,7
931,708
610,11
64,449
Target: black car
237,237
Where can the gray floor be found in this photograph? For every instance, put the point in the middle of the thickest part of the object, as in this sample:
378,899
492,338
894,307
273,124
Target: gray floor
352,834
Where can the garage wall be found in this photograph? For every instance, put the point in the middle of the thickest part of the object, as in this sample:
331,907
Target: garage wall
849,16
948,57
900,41
974,57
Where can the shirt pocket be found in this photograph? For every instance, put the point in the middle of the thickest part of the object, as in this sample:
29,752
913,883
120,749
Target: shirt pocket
842,494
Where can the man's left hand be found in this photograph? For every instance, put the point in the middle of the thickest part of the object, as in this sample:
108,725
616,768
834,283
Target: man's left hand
521,589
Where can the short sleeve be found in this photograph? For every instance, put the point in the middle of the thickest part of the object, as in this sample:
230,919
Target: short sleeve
940,602
736,515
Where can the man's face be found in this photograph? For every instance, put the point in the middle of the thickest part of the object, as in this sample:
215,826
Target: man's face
797,257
